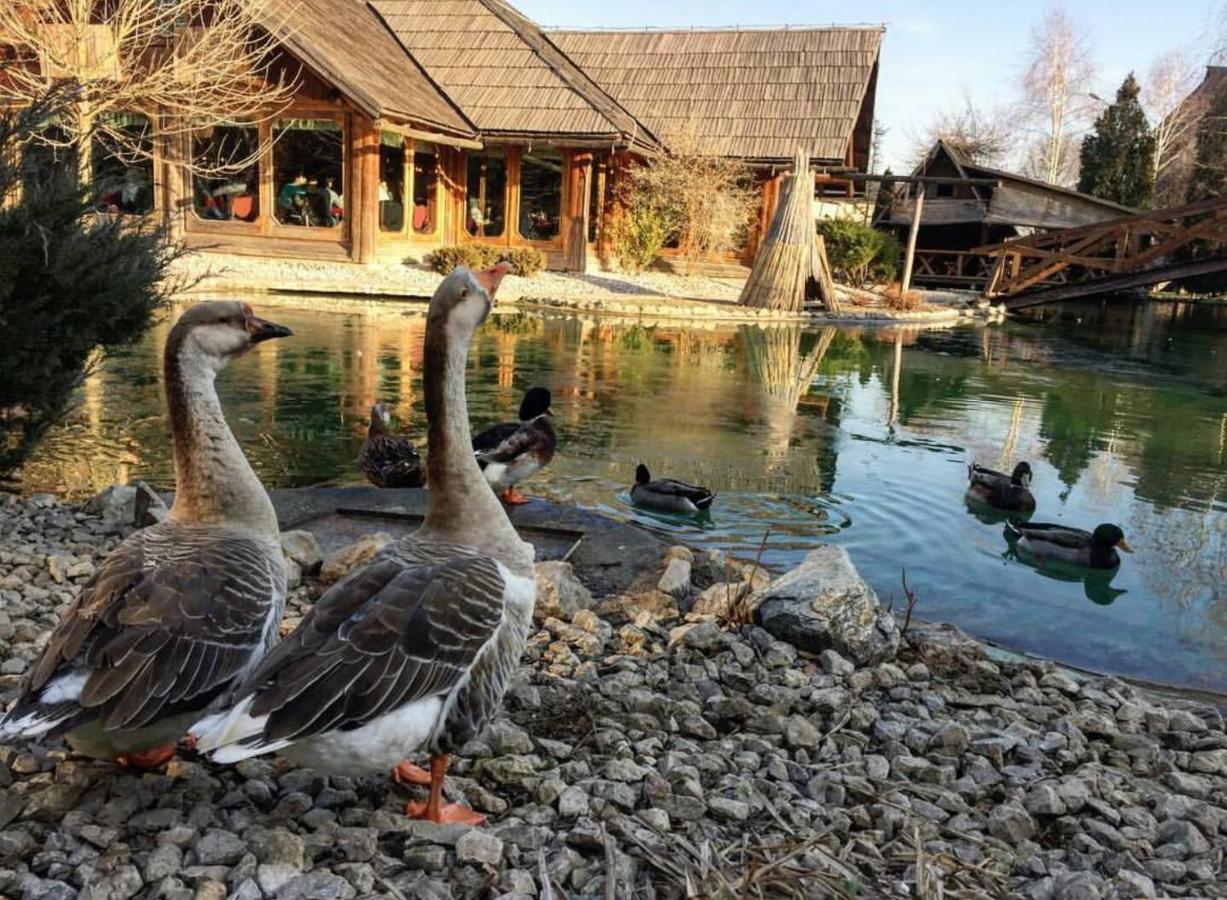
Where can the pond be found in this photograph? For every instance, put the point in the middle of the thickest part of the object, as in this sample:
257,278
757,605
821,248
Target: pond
852,435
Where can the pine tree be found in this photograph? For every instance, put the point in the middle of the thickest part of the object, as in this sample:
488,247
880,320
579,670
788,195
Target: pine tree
1118,155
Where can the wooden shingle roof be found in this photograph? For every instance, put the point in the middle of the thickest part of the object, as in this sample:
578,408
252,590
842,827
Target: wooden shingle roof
757,93
503,73
349,45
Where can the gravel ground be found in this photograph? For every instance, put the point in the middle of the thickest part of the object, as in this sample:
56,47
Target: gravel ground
639,759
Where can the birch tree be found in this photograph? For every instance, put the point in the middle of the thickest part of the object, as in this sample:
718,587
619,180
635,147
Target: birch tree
180,64
1057,101
1174,111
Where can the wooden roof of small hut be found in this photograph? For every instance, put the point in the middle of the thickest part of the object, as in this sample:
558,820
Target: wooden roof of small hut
1014,200
346,43
505,75
758,94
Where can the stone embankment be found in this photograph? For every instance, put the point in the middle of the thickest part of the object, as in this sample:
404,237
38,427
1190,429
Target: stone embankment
651,747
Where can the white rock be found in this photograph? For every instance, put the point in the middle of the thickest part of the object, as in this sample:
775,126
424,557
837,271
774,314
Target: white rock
676,578
304,549
559,592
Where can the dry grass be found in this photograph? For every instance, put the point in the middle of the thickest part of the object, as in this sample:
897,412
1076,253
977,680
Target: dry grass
897,299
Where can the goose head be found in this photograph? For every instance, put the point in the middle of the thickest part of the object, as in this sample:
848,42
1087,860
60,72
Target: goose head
1021,475
464,299
536,403
221,330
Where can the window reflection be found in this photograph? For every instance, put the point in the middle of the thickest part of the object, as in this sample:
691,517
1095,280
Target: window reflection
233,193
123,166
392,159
308,166
425,186
540,194
486,194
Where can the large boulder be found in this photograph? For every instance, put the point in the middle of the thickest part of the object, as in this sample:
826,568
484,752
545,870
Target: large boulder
824,604
560,594
127,504
301,547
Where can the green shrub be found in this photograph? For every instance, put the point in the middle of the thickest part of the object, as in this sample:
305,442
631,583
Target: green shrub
858,252
445,259
525,261
73,284
638,235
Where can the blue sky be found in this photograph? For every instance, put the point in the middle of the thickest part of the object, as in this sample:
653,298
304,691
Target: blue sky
934,52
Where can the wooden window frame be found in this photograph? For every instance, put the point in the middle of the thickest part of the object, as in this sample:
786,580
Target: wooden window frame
433,236
342,233
198,225
557,242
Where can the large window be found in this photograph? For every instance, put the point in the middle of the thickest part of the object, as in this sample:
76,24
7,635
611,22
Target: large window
485,202
391,182
308,172
425,186
231,190
121,156
540,194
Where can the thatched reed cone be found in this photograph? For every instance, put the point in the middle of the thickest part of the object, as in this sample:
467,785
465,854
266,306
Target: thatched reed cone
788,257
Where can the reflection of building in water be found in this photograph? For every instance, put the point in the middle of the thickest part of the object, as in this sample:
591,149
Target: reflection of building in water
268,362
505,356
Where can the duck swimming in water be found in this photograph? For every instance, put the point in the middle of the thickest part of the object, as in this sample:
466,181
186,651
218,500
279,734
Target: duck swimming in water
669,495
511,452
414,650
182,609
1093,549
389,460
996,489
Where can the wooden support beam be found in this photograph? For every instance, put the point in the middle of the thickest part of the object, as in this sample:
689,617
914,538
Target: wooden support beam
913,232
1115,283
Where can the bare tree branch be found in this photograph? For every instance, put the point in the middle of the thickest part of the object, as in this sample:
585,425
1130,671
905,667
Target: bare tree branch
1175,111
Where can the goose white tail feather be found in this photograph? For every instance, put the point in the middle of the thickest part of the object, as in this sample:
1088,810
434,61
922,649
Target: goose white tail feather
216,733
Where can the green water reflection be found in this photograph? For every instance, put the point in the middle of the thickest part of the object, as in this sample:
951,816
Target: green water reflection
853,435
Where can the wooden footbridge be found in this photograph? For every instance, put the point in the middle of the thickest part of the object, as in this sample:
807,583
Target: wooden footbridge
1115,255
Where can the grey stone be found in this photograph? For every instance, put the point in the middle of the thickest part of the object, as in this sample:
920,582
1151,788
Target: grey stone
304,549
824,604
1077,886
273,876
121,884
164,860
800,732
1043,800
219,848
479,847
572,802
560,594
675,580
1011,823
316,886
732,810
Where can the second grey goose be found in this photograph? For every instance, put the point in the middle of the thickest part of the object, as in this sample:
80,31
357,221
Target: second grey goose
414,650
182,608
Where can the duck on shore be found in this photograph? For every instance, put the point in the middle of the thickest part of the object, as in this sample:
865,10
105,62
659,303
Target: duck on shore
414,650
1011,493
180,609
511,452
389,460
1093,549
669,495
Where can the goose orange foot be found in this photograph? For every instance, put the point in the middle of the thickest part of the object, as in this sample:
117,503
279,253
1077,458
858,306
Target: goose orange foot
513,497
407,773
147,759
434,809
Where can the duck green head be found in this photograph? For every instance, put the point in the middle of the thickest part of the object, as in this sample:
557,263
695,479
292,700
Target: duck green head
1021,475
536,403
1108,535
642,475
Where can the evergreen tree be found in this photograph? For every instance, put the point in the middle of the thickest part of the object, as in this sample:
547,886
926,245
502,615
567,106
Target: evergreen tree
1117,156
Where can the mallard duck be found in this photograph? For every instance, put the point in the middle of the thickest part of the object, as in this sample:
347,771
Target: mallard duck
389,460
1094,549
182,608
668,495
1000,491
510,452
414,650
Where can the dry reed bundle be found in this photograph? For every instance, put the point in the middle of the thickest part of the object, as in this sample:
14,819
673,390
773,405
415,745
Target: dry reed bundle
789,256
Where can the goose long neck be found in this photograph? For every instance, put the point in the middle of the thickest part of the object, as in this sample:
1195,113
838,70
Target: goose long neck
461,506
214,483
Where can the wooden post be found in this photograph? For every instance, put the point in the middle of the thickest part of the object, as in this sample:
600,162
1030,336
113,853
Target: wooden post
910,258
575,212
362,201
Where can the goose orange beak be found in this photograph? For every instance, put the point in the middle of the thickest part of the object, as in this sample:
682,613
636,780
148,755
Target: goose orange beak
490,278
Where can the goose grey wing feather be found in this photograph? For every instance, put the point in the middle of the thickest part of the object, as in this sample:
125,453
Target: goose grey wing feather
378,640
171,617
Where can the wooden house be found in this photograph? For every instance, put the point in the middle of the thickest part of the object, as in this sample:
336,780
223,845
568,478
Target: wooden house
421,123
992,206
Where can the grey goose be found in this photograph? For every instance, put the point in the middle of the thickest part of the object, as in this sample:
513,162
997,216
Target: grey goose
414,650
182,608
